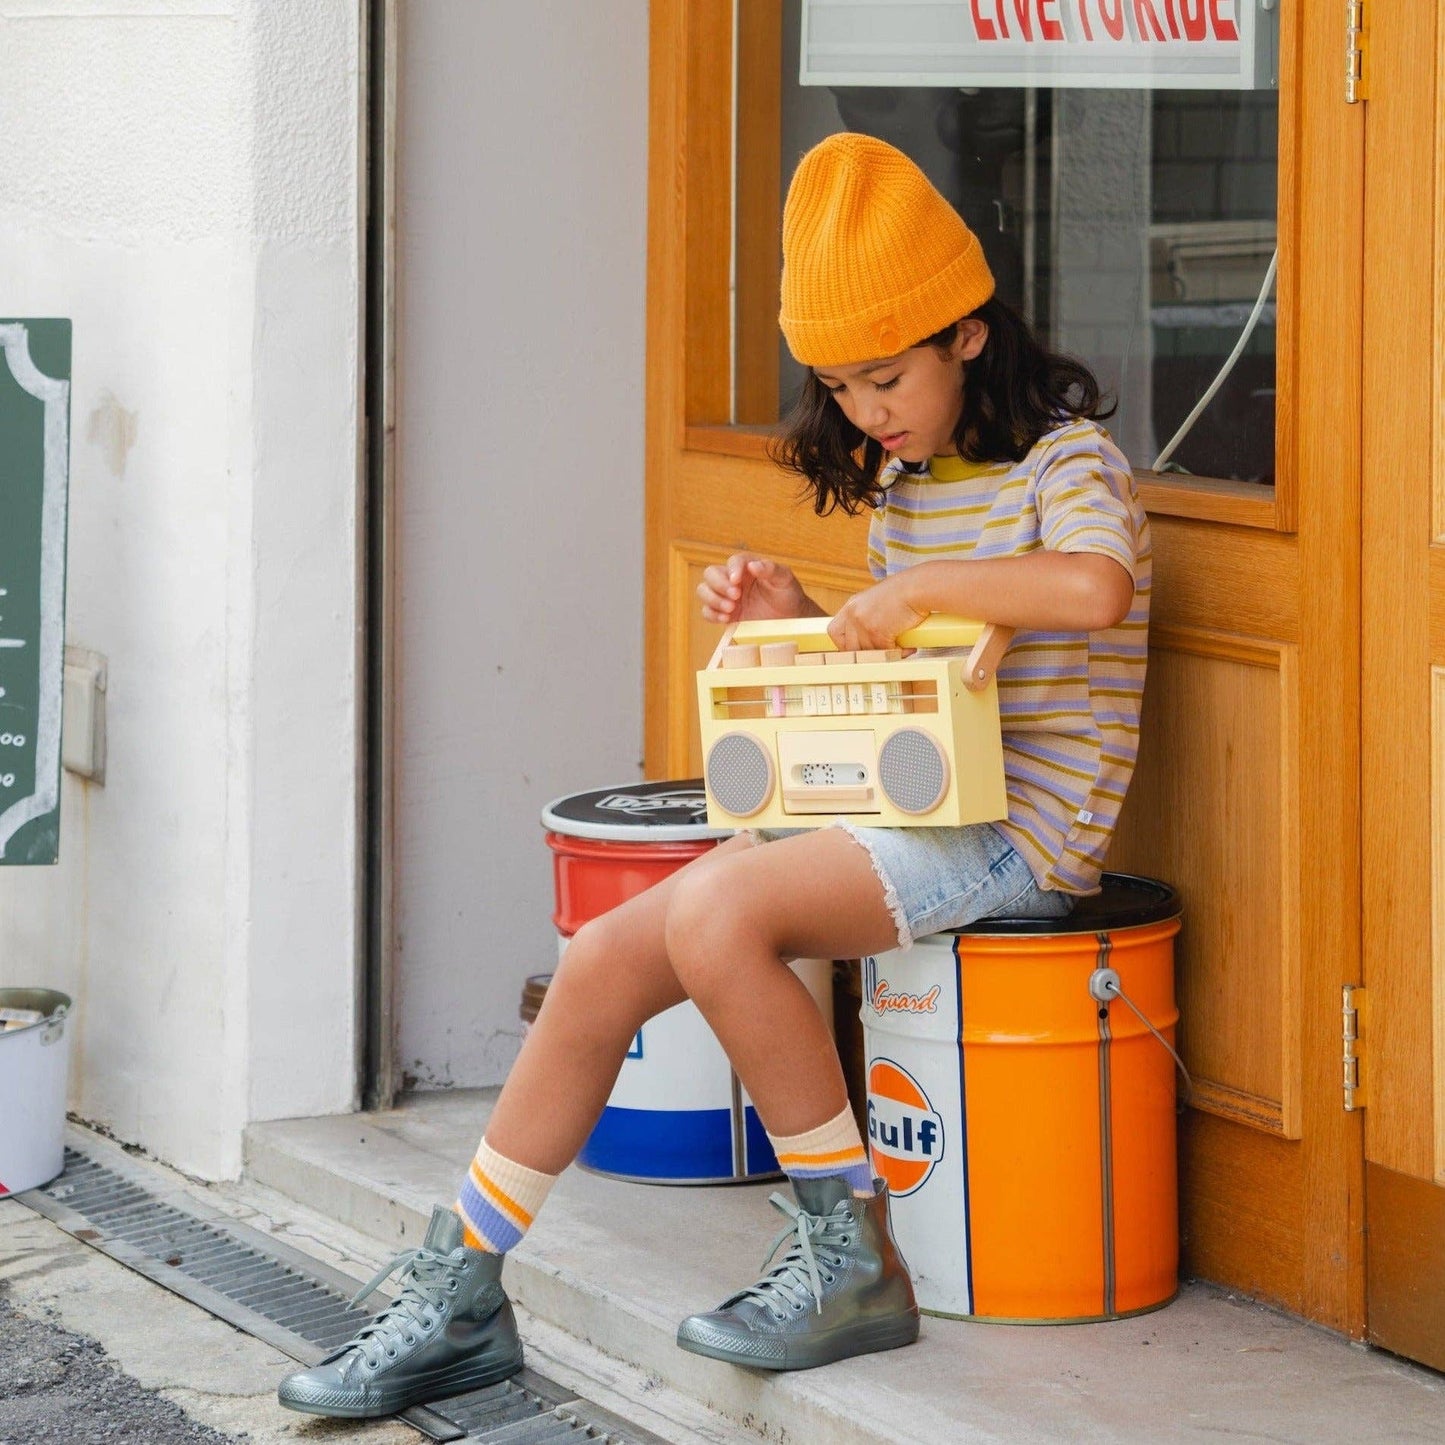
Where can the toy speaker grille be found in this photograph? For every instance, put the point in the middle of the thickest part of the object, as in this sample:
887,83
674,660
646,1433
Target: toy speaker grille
912,771
739,774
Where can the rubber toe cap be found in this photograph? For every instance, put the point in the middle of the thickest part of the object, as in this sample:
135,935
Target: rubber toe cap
722,1338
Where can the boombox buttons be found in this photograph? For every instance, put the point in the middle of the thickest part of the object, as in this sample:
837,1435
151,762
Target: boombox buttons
795,732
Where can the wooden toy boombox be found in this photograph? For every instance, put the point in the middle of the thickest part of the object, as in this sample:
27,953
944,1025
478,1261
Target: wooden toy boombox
796,733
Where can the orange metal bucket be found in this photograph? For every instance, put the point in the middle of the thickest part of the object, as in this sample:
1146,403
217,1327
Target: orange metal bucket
1027,1130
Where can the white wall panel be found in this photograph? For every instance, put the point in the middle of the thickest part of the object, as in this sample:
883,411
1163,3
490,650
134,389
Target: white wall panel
521,261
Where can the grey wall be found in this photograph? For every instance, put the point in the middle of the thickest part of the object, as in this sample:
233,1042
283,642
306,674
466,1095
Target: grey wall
522,256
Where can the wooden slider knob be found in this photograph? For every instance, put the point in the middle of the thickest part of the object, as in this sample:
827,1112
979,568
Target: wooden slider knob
779,654
740,654
810,659
874,654
840,657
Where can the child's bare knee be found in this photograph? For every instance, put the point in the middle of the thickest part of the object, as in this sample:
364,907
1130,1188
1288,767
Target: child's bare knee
590,988
584,952
587,970
704,919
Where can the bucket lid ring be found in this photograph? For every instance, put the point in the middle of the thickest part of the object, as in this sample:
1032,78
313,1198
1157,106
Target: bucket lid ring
647,812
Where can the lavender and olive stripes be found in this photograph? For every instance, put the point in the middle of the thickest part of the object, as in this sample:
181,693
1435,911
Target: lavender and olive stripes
1068,701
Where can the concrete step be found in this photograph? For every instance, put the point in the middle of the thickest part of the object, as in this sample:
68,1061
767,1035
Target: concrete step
616,1265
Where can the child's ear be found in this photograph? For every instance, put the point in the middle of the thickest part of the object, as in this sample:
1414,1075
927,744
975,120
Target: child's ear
971,338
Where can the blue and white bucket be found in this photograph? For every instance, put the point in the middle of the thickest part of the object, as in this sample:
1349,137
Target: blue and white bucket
677,1114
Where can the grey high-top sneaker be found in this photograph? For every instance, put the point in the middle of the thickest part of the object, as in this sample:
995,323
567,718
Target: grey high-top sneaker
841,1289
450,1329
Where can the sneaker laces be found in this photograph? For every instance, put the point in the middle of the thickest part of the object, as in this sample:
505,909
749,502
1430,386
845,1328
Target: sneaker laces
423,1278
795,1277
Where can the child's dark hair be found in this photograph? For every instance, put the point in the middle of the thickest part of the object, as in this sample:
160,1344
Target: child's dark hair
1013,392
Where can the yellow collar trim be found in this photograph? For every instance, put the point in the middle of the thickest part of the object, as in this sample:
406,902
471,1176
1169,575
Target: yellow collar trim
955,469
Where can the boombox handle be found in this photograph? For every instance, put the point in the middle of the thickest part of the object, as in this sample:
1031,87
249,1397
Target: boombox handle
989,640
987,653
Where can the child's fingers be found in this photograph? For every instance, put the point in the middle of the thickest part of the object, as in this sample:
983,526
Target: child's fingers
718,582
716,606
739,565
768,573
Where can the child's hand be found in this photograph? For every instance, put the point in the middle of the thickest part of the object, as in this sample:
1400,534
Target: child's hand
747,586
873,618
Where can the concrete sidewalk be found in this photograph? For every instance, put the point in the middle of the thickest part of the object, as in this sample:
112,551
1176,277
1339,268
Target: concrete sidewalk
169,1350
165,1349
617,1265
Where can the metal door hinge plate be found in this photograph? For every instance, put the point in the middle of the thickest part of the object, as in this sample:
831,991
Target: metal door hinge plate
1357,44
1354,1025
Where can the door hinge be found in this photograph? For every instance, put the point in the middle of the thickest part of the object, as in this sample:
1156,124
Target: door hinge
1354,1031
1357,45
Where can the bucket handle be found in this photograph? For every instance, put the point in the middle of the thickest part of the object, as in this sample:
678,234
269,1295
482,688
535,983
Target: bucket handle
1105,987
54,1025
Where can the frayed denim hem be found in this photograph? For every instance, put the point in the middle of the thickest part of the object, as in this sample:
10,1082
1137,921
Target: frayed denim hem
890,893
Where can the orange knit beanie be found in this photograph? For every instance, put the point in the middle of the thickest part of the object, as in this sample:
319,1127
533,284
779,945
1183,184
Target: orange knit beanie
874,259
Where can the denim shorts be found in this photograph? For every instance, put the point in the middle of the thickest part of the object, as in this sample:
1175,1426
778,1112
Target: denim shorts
935,879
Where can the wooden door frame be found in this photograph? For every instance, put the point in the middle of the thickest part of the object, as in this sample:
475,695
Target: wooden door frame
1403,569
1307,531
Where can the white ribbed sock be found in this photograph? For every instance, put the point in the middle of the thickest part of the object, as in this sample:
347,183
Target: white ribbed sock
498,1200
834,1148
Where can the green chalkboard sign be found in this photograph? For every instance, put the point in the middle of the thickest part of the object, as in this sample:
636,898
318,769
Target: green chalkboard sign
34,472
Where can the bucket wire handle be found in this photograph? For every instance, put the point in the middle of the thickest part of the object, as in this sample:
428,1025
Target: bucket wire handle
1104,986
54,1025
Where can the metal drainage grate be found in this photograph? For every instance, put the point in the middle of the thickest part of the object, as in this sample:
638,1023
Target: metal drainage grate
293,1302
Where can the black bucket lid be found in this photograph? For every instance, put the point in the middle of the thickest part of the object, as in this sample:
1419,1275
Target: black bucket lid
657,812
1124,901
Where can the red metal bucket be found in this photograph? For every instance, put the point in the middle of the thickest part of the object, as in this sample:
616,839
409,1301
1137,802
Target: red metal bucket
593,875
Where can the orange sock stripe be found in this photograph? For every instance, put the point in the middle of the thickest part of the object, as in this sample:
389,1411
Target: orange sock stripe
503,1203
833,1148
836,1156
470,1237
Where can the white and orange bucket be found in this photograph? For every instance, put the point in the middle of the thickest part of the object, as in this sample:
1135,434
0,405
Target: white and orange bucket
1026,1126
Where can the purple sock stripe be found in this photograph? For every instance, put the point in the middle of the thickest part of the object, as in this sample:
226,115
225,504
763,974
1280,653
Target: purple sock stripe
859,1178
859,1175
470,1237
487,1222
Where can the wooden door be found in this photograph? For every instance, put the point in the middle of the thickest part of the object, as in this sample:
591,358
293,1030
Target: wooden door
1247,794
1403,678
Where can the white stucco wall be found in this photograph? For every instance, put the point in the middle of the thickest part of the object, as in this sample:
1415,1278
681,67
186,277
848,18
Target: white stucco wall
180,179
522,216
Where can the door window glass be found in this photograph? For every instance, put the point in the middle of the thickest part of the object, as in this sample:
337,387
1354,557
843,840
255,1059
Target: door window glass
1135,228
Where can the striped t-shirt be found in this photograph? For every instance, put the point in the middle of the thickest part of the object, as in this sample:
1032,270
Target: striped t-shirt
1069,701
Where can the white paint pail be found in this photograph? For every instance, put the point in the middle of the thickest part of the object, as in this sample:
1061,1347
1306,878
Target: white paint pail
34,1066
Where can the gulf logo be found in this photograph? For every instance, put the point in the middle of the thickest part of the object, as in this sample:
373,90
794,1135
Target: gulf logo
905,1133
